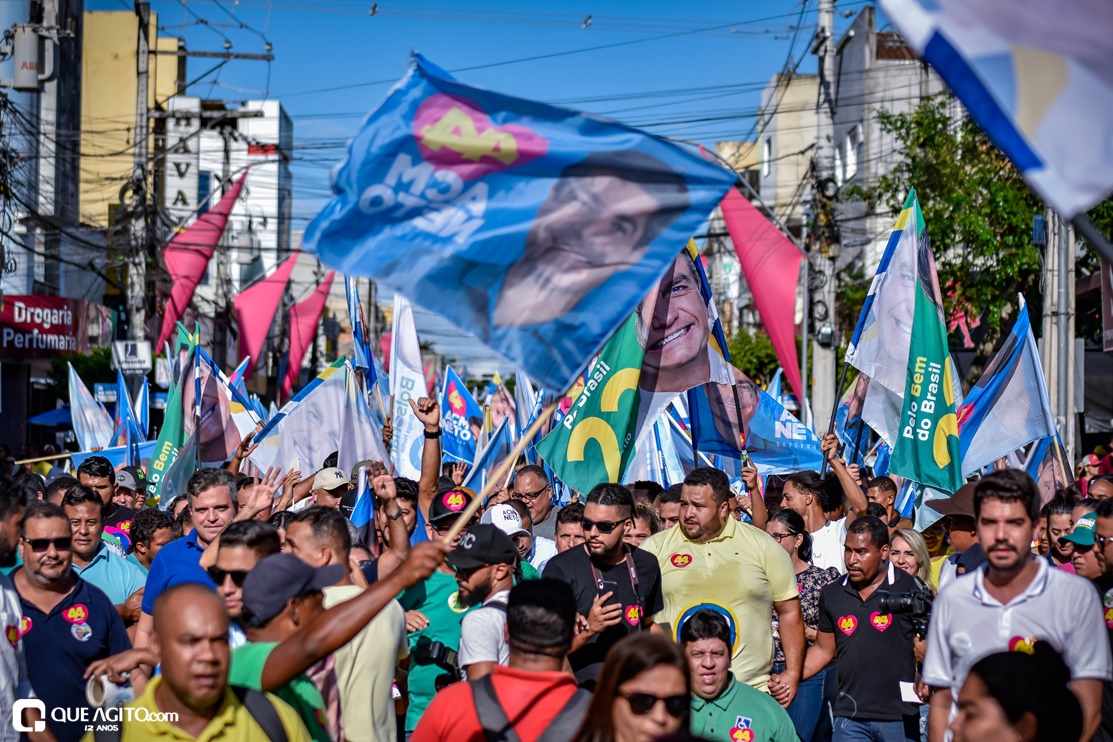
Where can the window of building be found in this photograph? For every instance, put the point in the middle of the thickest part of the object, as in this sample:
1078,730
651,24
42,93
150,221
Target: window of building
853,143
766,157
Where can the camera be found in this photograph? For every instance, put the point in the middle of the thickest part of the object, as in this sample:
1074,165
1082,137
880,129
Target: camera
916,604
436,653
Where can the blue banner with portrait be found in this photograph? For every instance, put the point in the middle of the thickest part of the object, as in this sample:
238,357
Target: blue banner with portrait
535,229
463,419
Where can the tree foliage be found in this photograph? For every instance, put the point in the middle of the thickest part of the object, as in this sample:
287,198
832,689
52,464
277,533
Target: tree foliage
753,354
96,367
978,212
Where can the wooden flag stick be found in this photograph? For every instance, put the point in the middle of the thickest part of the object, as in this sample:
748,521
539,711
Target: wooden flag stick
504,466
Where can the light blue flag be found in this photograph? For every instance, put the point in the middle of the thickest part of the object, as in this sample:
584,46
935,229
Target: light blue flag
1036,76
462,418
1008,407
524,401
118,455
122,424
533,228
498,448
773,389
361,347
142,410
92,425
178,473
363,514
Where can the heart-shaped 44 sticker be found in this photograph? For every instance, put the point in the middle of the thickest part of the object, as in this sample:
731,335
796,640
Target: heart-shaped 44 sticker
881,621
848,624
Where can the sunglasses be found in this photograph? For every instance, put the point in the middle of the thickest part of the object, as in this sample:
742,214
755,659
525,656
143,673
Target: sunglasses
604,526
218,575
642,703
39,545
529,496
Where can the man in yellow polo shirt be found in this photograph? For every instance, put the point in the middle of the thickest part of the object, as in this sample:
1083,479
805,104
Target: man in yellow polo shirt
191,636
713,561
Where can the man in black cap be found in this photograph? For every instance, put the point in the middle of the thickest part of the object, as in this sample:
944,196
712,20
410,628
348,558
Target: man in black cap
288,630
484,563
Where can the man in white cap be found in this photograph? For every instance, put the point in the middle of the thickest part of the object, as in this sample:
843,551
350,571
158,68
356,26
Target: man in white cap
329,487
512,518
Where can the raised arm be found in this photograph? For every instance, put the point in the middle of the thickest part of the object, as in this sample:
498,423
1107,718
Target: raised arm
428,412
337,626
399,549
850,489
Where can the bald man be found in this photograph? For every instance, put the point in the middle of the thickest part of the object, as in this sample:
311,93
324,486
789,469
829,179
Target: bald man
191,638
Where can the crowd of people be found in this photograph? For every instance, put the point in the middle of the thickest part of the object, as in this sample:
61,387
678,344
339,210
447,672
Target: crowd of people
250,606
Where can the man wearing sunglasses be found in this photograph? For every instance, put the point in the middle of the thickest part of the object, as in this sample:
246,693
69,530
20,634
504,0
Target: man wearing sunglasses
617,587
532,487
721,706
67,623
243,545
484,564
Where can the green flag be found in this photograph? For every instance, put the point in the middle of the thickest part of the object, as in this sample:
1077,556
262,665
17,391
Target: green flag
593,443
172,436
927,448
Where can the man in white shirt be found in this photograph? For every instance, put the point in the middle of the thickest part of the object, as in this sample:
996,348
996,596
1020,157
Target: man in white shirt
803,493
1012,601
484,564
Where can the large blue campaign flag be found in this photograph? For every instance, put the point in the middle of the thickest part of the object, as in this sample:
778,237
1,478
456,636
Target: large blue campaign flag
1008,407
498,448
361,346
534,228
463,417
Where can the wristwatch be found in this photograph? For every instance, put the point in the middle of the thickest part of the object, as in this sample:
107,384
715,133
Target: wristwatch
432,436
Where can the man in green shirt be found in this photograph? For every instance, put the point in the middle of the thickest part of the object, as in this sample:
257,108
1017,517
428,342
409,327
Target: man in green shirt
722,707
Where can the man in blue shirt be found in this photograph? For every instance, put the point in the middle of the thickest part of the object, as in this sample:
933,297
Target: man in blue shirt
67,623
212,502
93,561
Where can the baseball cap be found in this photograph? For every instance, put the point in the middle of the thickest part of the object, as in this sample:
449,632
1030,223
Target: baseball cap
130,478
1090,460
450,503
481,545
505,518
365,464
1083,533
279,577
960,503
330,479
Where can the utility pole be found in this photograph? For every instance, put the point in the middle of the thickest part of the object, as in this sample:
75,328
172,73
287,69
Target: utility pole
825,232
137,263
222,269
1058,358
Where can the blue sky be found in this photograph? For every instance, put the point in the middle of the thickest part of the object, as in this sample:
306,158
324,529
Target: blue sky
696,76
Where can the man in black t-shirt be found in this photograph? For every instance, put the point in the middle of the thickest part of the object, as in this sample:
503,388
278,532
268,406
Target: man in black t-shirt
97,472
1103,540
617,588
876,664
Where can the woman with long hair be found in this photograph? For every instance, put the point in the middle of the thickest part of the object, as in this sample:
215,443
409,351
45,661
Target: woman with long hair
643,692
909,551
786,527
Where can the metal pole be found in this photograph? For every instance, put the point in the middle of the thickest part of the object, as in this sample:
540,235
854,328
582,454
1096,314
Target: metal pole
137,264
824,396
806,296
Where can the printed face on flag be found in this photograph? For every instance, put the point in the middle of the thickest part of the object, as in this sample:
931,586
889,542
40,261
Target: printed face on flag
502,406
218,436
532,228
1050,476
674,324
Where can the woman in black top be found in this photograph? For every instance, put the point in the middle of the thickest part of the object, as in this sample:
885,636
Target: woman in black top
786,527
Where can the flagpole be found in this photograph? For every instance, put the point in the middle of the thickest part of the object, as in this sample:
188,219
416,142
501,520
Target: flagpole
501,470
858,439
834,411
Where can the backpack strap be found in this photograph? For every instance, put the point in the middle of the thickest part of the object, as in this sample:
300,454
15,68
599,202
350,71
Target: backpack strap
262,711
568,720
492,718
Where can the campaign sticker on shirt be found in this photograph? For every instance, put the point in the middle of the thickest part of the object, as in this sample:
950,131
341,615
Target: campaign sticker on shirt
633,615
881,621
848,624
81,632
25,625
680,560
454,603
1107,599
76,613
742,730
1026,644
1109,618
12,634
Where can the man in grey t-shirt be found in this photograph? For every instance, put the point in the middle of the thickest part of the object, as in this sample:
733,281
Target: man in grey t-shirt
484,563
532,487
